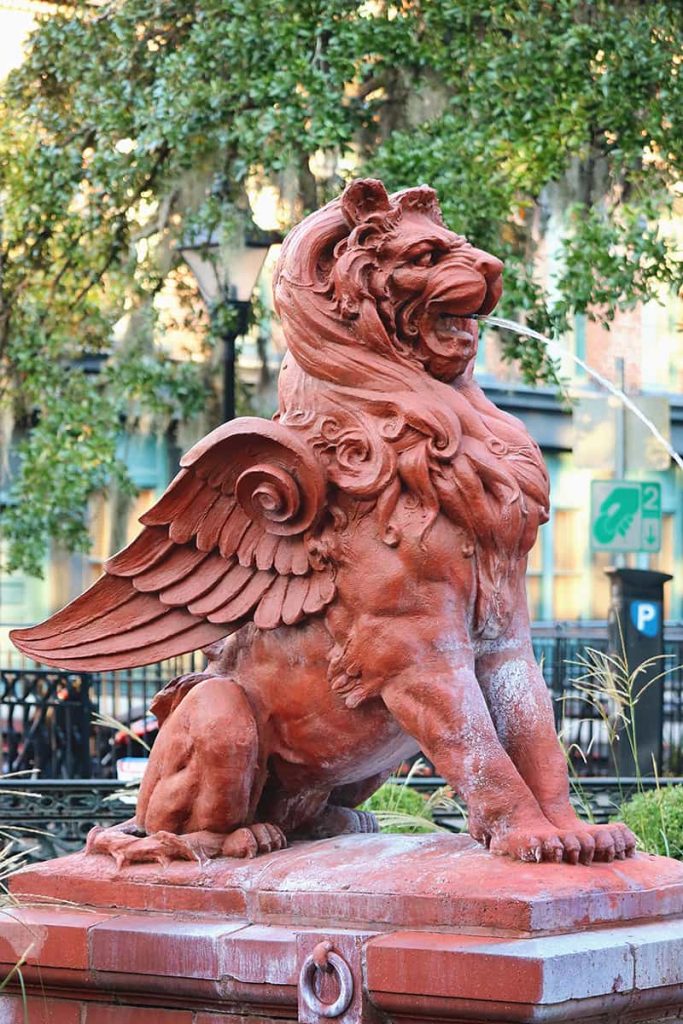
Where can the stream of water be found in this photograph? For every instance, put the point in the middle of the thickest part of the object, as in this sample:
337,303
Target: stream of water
557,350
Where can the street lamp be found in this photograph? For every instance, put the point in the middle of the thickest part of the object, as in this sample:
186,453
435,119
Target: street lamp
226,273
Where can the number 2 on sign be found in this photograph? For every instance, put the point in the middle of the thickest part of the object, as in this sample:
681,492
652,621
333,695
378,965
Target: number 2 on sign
650,498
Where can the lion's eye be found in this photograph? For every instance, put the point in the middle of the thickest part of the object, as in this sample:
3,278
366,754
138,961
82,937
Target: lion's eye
425,259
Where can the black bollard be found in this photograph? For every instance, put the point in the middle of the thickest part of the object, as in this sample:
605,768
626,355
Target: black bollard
635,629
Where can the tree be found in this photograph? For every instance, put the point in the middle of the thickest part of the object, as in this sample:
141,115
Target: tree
133,122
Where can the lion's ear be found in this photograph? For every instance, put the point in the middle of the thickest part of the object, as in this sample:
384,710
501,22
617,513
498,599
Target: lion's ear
422,199
363,197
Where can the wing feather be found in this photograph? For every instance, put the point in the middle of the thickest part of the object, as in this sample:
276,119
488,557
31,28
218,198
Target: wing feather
138,610
284,556
300,563
265,550
232,532
181,561
150,631
165,646
109,592
293,604
258,584
148,549
176,620
179,496
186,526
249,543
268,615
226,588
211,525
207,573
212,555
321,591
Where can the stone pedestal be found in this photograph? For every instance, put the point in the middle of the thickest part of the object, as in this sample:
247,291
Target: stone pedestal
419,927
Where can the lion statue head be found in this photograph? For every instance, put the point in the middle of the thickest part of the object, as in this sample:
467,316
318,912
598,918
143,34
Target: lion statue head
392,276
377,298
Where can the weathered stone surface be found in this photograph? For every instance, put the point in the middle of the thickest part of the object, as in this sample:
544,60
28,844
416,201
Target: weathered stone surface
432,927
428,881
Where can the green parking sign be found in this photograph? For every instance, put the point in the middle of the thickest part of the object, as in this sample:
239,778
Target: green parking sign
626,516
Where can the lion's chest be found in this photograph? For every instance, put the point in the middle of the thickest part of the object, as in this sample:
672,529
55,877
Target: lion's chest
435,571
428,569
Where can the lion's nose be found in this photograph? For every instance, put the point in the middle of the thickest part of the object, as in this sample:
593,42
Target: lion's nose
488,266
491,269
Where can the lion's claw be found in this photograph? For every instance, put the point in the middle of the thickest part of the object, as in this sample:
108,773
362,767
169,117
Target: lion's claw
253,839
581,843
163,847
367,822
160,847
542,844
613,841
600,843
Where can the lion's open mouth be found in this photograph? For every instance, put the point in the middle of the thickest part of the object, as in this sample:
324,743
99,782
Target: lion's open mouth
455,328
461,328
450,342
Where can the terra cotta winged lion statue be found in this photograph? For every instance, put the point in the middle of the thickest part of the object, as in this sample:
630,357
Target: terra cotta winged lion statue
364,554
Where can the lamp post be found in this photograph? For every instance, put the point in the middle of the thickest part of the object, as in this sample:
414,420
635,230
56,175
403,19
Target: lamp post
226,273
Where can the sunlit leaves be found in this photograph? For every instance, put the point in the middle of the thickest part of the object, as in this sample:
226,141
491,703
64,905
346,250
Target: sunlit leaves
132,120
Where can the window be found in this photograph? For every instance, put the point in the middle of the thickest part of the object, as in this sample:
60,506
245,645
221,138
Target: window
534,579
568,565
600,584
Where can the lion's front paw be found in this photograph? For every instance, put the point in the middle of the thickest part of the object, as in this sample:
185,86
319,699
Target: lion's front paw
546,844
528,845
610,842
613,841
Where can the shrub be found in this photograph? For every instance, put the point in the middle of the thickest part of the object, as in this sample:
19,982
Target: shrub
400,809
656,817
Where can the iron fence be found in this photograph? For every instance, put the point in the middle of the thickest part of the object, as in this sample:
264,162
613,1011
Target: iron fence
564,653
44,818
71,725
51,722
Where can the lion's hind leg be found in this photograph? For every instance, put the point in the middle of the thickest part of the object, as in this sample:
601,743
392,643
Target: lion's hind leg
341,816
201,785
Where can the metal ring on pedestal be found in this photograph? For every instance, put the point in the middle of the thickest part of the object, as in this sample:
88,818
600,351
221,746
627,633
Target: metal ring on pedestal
337,964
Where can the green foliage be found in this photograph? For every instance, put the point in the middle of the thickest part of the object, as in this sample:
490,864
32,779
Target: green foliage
539,93
72,450
131,121
656,817
400,809
611,692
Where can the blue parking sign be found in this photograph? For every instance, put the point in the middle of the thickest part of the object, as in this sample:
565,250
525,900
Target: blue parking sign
646,617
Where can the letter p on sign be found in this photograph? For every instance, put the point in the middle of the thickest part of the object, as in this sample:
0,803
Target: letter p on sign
645,617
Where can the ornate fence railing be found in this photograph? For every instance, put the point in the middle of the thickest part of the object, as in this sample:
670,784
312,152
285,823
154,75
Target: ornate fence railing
51,817
51,721
47,722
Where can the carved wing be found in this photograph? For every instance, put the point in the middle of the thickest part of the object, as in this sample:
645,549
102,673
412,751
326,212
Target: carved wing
223,545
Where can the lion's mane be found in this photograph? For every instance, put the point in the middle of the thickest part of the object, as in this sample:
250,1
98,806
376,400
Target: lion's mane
383,424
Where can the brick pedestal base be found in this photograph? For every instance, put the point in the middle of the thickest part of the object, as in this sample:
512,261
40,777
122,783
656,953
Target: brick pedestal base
418,928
